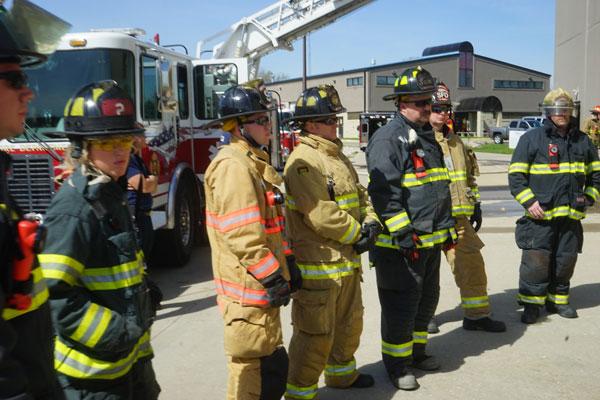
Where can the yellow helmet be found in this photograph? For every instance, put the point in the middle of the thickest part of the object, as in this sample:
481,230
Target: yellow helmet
557,101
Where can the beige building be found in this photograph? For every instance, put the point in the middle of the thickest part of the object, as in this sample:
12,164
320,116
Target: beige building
486,92
577,52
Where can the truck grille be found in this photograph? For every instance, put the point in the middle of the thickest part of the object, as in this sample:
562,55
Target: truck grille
31,182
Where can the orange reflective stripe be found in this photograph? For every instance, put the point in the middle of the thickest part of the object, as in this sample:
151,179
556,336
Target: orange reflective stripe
273,225
264,267
256,297
233,220
286,249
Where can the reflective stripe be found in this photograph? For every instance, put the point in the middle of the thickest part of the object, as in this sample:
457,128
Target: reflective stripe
290,203
563,168
92,326
562,211
351,233
286,248
341,370
39,294
475,192
112,278
462,210
592,192
273,225
264,267
474,302
428,240
397,222
456,176
73,363
592,167
518,167
329,271
255,297
58,266
420,337
301,392
347,201
558,298
525,195
234,219
397,350
433,175
540,300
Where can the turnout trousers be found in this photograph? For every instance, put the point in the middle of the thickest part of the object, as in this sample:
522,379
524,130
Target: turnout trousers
409,291
327,327
468,269
550,249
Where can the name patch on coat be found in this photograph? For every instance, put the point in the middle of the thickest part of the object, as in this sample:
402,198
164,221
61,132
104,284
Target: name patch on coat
302,170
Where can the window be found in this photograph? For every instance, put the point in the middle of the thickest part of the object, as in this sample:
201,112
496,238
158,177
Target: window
149,88
211,81
358,81
529,84
182,91
465,69
386,80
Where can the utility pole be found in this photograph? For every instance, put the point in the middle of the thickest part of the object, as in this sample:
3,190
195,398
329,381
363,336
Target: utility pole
303,63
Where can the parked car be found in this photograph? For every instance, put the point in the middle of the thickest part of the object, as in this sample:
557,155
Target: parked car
500,133
538,118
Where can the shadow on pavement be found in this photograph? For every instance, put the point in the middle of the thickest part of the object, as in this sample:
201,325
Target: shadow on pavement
186,307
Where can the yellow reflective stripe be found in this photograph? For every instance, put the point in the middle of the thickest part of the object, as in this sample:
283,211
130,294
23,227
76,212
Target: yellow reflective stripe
388,241
427,240
593,167
475,193
58,266
558,298
39,296
74,363
397,350
397,222
93,325
474,302
420,337
116,277
458,175
524,196
462,210
329,271
301,392
351,233
592,192
347,201
518,167
562,211
540,300
290,203
433,175
341,370
13,215
563,168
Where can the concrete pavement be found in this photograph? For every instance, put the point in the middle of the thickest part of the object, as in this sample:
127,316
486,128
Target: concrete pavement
554,359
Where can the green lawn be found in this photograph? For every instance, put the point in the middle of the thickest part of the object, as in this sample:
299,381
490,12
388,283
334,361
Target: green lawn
493,148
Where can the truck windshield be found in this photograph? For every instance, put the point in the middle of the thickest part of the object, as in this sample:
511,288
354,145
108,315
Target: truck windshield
63,74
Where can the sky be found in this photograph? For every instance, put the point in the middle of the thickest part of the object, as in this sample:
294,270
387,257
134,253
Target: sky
519,32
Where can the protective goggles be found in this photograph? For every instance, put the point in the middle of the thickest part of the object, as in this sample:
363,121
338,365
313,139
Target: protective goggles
420,103
16,79
439,110
327,121
557,108
262,121
124,142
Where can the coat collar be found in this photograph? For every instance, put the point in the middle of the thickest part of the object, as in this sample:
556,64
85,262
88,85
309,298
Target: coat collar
326,146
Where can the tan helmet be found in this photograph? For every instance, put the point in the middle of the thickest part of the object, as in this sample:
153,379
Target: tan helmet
557,101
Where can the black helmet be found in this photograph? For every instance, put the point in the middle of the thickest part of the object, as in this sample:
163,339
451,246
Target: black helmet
441,96
28,33
413,81
315,102
100,108
245,99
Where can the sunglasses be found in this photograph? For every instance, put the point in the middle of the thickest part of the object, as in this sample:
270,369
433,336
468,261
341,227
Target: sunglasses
420,103
262,121
124,143
327,121
16,79
439,110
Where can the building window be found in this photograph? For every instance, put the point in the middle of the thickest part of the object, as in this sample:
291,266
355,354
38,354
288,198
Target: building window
502,84
358,81
465,69
386,80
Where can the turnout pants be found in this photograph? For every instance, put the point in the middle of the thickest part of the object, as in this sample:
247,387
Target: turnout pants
327,327
468,268
409,291
258,362
548,260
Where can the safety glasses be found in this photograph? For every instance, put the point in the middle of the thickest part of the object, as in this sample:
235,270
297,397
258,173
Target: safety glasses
16,79
262,121
124,143
439,110
327,121
420,103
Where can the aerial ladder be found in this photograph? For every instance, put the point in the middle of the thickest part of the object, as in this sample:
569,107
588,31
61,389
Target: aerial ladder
276,27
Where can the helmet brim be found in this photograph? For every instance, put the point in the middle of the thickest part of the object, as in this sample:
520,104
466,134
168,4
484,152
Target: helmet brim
25,59
73,134
308,117
394,95
220,121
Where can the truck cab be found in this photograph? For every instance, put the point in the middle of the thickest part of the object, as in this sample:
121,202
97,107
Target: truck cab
369,123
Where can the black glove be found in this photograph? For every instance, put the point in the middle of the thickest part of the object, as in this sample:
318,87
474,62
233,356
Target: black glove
476,218
370,231
295,274
278,292
408,246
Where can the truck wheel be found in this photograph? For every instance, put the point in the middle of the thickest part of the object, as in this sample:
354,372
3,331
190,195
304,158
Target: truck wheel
182,235
498,138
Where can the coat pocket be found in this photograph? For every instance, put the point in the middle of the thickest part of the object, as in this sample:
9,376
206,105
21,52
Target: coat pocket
311,311
247,333
524,234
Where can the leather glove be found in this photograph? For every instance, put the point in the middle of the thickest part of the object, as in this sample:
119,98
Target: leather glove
450,242
278,292
295,274
408,246
369,231
476,218
154,292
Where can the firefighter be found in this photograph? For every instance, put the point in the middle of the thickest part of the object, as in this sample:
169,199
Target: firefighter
99,294
26,332
591,126
408,185
465,259
555,175
329,221
250,260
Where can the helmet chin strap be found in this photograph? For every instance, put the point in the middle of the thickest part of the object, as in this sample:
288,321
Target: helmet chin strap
77,149
247,136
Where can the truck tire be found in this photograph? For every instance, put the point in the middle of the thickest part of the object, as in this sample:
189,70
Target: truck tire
498,138
182,234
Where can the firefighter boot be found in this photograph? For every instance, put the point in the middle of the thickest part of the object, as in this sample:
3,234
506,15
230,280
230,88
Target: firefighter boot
484,324
564,310
530,314
404,380
363,381
432,327
422,361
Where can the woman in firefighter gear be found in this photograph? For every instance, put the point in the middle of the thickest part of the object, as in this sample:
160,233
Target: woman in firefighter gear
99,295
408,185
26,332
555,175
591,126
465,259
329,221
250,259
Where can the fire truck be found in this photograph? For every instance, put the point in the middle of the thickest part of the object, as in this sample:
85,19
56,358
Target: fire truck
175,95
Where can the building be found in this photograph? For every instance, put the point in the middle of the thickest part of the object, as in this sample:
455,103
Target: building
487,92
576,55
